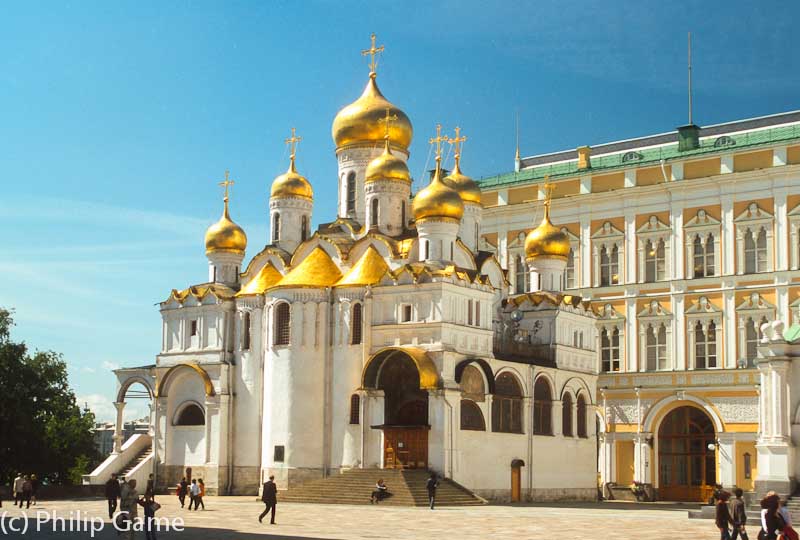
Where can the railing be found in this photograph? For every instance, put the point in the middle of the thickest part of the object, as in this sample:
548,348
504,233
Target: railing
522,351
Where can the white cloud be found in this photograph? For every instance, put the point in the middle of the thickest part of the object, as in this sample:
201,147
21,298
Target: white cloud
110,366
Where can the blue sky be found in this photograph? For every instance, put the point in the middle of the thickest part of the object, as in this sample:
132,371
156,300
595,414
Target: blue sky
117,120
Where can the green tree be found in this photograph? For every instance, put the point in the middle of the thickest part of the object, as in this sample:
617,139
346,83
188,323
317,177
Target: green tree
42,429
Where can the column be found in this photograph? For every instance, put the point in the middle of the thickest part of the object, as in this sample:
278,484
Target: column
679,333
677,172
558,418
774,446
726,164
586,185
502,197
502,248
779,156
631,335
677,251
118,436
630,247
586,251
728,240
630,178
781,232
641,457
727,460
730,336
782,304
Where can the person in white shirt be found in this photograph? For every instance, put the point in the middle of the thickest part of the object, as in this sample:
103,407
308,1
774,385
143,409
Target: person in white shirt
19,481
194,492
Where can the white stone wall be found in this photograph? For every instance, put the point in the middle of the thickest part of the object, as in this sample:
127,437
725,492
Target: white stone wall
291,210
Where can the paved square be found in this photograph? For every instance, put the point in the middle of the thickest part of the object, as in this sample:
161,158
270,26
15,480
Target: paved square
236,517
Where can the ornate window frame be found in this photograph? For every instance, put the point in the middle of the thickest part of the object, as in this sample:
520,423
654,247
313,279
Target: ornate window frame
654,315
750,313
705,313
608,236
609,320
516,254
654,230
575,248
753,219
702,225
794,238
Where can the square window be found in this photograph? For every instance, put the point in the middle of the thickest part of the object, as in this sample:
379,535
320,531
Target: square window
405,313
278,455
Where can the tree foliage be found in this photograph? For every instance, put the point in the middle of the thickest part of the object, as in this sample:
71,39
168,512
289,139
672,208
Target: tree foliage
42,429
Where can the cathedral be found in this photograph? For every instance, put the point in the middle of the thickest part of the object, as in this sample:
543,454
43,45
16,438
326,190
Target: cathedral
636,333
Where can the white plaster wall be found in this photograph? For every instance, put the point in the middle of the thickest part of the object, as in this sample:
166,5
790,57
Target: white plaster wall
247,387
186,445
291,211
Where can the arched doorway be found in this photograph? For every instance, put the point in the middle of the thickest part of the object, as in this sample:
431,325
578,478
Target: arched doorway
687,469
404,375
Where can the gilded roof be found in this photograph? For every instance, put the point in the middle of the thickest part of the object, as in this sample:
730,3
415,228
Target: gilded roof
466,187
387,166
437,200
201,291
291,184
555,299
316,270
225,235
369,270
547,240
263,280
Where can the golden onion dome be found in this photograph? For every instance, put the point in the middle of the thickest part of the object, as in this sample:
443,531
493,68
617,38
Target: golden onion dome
358,123
547,240
291,184
437,200
225,235
387,166
466,187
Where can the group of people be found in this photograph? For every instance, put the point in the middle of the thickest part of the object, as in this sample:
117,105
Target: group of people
24,490
129,503
381,490
195,491
731,517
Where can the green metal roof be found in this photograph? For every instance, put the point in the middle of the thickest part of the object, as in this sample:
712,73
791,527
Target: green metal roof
644,157
792,334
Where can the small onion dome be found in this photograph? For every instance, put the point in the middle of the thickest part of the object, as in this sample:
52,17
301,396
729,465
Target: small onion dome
547,240
464,185
358,123
225,235
387,166
437,200
291,184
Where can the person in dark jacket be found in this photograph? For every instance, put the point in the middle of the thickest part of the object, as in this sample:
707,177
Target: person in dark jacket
112,494
269,496
27,492
183,489
771,521
723,515
431,486
739,516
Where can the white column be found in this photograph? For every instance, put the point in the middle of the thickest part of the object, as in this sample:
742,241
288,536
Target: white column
677,251
558,417
677,172
119,405
586,251
726,164
782,304
774,446
502,247
631,334
730,331
502,197
586,185
679,333
630,178
727,459
728,240
781,232
630,247
641,458
779,156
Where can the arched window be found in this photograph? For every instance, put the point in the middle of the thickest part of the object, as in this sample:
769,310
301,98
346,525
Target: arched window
569,271
190,415
355,409
355,325
566,415
609,266
609,349
304,228
246,331
752,337
471,416
507,405
282,321
656,346
705,345
655,266
373,215
276,227
582,433
755,251
542,408
351,193
520,275
703,255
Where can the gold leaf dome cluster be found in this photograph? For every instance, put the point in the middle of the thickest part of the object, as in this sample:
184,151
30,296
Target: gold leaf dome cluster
291,184
466,187
547,240
359,123
225,235
387,166
437,200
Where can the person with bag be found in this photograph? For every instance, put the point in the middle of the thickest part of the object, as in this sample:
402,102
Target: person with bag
771,519
739,515
723,515
150,508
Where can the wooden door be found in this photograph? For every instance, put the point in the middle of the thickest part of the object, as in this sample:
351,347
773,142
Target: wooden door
405,448
515,484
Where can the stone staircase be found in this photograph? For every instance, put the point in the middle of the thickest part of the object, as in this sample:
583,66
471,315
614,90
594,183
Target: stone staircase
354,486
792,503
138,458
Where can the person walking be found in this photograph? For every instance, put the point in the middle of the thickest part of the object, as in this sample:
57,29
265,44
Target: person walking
151,487
27,492
723,515
431,485
112,494
198,500
128,505
739,516
269,496
771,520
150,507
34,488
787,531
18,481
194,491
183,489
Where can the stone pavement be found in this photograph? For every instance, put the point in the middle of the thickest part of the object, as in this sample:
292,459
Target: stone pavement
236,517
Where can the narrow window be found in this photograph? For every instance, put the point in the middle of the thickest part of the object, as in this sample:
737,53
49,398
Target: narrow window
351,193
582,417
355,409
403,216
542,408
761,250
477,313
276,228
356,325
304,228
710,262
282,320
705,345
751,339
405,315
749,252
569,272
507,405
246,331
566,415
215,274
469,312
373,215
656,347
193,330
519,275
609,266
427,244
748,466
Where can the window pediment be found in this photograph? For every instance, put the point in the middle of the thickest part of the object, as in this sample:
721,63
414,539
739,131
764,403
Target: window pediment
753,213
653,226
608,313
702,219
795,211
572,238
607,230
654,310
703,307
753,303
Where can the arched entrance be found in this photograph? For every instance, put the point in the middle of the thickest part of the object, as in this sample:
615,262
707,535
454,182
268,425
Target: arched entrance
404,375
687,469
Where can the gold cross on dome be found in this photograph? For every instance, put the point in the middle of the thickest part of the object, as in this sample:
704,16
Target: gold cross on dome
456,141
548,193
372,52
292,141
227,183
438,140
388,119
